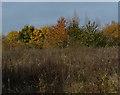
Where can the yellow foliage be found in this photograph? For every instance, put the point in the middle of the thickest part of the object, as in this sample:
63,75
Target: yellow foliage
12,38
37,37
45,29
111,30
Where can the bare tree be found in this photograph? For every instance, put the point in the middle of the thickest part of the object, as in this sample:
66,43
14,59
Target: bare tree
86,20
76,18
98,22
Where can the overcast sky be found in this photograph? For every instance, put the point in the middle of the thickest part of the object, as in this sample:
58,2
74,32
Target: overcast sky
16,15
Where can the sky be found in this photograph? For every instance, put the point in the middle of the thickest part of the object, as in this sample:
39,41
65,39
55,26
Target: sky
0,17
60,0
15,15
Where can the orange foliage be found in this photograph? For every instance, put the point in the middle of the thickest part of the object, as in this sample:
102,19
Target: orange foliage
57,34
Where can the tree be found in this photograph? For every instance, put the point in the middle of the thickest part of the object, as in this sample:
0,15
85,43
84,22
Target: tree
91,27
73,26
13,36
26,33
45,30
111,30
57,34
12,39
91,36
37,38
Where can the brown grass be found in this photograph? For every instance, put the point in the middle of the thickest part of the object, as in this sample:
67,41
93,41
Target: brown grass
70,70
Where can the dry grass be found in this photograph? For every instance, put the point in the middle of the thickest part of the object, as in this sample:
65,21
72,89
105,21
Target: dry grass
70,70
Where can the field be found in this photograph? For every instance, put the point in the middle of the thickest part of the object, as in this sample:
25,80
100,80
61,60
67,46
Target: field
69,70
46,49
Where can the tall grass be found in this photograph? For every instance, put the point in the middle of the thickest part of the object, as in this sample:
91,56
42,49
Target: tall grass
70,70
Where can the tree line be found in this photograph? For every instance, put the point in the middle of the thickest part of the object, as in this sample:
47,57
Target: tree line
64,34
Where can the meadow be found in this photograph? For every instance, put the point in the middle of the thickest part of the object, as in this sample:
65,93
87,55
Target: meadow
63,58
71,70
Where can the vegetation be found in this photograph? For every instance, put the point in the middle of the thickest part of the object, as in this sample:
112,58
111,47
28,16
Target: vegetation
61,70
63,58
63,34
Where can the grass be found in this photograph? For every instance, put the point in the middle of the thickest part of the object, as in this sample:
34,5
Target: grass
70,70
